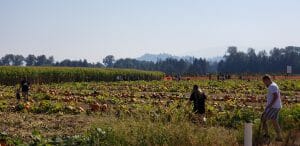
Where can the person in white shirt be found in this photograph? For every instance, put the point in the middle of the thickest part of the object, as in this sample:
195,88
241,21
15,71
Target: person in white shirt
273,107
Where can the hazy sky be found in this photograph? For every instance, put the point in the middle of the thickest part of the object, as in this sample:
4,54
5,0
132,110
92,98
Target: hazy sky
92,29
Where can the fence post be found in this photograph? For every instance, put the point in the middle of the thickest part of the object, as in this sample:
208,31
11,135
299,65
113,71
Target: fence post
248,134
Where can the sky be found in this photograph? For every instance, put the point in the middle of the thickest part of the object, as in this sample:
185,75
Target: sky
92,29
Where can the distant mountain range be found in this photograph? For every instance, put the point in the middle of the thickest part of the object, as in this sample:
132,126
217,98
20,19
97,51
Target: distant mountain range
164,56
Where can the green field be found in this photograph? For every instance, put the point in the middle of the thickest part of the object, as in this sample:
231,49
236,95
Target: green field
140,112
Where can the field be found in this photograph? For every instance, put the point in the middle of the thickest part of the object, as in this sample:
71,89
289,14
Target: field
10,75
140,112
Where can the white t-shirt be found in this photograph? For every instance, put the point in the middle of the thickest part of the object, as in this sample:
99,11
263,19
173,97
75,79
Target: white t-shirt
273,88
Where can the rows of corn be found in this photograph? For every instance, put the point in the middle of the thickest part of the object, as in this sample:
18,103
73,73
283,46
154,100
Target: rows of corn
10,75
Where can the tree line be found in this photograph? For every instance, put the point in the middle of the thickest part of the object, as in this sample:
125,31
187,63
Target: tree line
233,62
275,62
43,60
170,66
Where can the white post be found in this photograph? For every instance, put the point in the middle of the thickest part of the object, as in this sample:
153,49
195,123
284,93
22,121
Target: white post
248,134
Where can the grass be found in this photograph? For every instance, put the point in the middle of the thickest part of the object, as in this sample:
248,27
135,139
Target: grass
145,132
108,130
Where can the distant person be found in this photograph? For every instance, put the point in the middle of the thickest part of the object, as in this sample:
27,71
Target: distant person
241,77
18,96
179,78
198,98
25,88
209,77
119,78
273,107
228,77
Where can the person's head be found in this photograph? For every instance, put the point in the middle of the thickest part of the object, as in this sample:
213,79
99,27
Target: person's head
195,88
267,80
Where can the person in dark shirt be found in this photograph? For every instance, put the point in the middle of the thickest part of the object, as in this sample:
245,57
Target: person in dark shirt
18,96
25,88
198,98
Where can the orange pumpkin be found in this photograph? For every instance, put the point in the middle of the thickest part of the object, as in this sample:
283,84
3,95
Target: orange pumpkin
95,107
27,106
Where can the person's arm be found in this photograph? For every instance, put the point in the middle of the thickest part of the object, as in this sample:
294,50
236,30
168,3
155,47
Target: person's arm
191,97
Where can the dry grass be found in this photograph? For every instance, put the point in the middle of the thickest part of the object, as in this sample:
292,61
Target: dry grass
22,125
126,131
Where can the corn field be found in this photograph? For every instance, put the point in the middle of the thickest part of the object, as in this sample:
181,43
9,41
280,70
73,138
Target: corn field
11,75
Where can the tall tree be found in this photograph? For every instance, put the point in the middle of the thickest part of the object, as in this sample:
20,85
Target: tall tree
18,60
109,61
50,60
8,59
30,60
41,60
